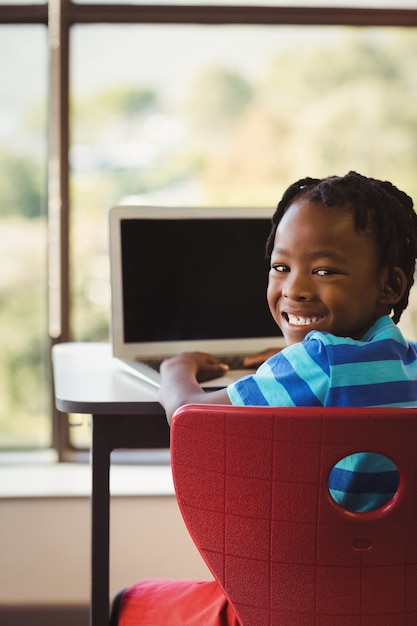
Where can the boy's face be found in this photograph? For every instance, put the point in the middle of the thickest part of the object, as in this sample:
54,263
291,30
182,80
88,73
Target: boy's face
324,274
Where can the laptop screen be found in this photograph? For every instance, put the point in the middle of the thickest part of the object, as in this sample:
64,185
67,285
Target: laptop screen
189,278
194,279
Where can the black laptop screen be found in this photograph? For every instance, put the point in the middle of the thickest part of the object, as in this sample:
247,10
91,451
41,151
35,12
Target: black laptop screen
195,279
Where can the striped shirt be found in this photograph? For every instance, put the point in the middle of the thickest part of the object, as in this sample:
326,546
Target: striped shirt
325,370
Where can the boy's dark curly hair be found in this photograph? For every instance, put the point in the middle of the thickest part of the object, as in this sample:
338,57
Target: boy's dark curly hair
378,207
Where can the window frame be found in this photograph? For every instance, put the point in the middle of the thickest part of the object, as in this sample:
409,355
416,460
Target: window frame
60,16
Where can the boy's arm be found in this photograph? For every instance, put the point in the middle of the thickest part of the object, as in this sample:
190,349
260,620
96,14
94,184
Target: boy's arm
181,377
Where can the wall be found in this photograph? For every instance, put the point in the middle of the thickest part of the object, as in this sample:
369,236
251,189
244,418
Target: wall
45,552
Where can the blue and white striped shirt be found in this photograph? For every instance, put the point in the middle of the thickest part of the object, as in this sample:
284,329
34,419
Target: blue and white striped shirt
325,370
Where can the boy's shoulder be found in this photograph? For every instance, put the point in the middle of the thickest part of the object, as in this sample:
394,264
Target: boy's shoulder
384,329
384,341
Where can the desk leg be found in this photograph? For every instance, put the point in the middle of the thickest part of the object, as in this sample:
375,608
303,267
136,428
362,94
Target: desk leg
109,433
100,518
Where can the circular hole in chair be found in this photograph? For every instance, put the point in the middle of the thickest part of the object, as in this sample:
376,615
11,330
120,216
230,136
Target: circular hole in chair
363,481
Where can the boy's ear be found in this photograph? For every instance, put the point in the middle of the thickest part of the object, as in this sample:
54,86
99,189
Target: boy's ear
394,286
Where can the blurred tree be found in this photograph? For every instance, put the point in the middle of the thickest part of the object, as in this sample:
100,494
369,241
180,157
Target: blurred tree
21,185
218,97
93,116
324,109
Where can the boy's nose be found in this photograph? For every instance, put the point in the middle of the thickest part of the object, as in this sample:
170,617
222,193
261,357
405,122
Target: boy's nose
297,287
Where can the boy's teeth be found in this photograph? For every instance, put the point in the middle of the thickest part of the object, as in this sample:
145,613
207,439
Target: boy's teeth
301,321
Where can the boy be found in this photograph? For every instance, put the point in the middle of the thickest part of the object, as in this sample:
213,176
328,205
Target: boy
343,252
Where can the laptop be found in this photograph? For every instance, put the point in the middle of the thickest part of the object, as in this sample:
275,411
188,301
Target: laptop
186,279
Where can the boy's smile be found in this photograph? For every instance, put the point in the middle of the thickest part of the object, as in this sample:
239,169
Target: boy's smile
325,274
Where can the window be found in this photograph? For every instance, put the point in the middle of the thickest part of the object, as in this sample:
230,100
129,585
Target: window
258,107
209,103
24,398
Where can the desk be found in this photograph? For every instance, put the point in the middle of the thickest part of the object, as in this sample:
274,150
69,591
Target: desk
125,414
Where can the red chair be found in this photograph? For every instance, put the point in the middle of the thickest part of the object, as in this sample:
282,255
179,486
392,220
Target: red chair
252,486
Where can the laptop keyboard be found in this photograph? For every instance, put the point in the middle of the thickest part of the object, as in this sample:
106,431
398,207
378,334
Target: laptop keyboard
235,362
155,364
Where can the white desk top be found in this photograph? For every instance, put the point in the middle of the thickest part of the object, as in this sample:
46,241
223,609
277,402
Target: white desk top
87,380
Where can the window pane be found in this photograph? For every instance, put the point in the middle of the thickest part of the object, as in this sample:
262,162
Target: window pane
24,418
226,115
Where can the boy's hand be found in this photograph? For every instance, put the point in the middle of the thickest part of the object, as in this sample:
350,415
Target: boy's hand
202,365
181,377
255,360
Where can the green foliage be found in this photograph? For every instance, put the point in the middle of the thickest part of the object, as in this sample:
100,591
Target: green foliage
218,97
130,102
21,185
343,105
92,115
23,380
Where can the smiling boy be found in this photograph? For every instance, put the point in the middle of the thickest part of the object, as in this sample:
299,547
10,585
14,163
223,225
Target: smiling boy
342,252
342,257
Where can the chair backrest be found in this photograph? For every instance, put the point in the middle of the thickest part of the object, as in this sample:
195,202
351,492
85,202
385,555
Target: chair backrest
253,488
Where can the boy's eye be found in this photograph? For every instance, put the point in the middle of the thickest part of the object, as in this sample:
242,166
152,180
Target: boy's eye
324,271
280,267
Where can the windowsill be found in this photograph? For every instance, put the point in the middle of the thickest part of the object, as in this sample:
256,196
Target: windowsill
40,476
